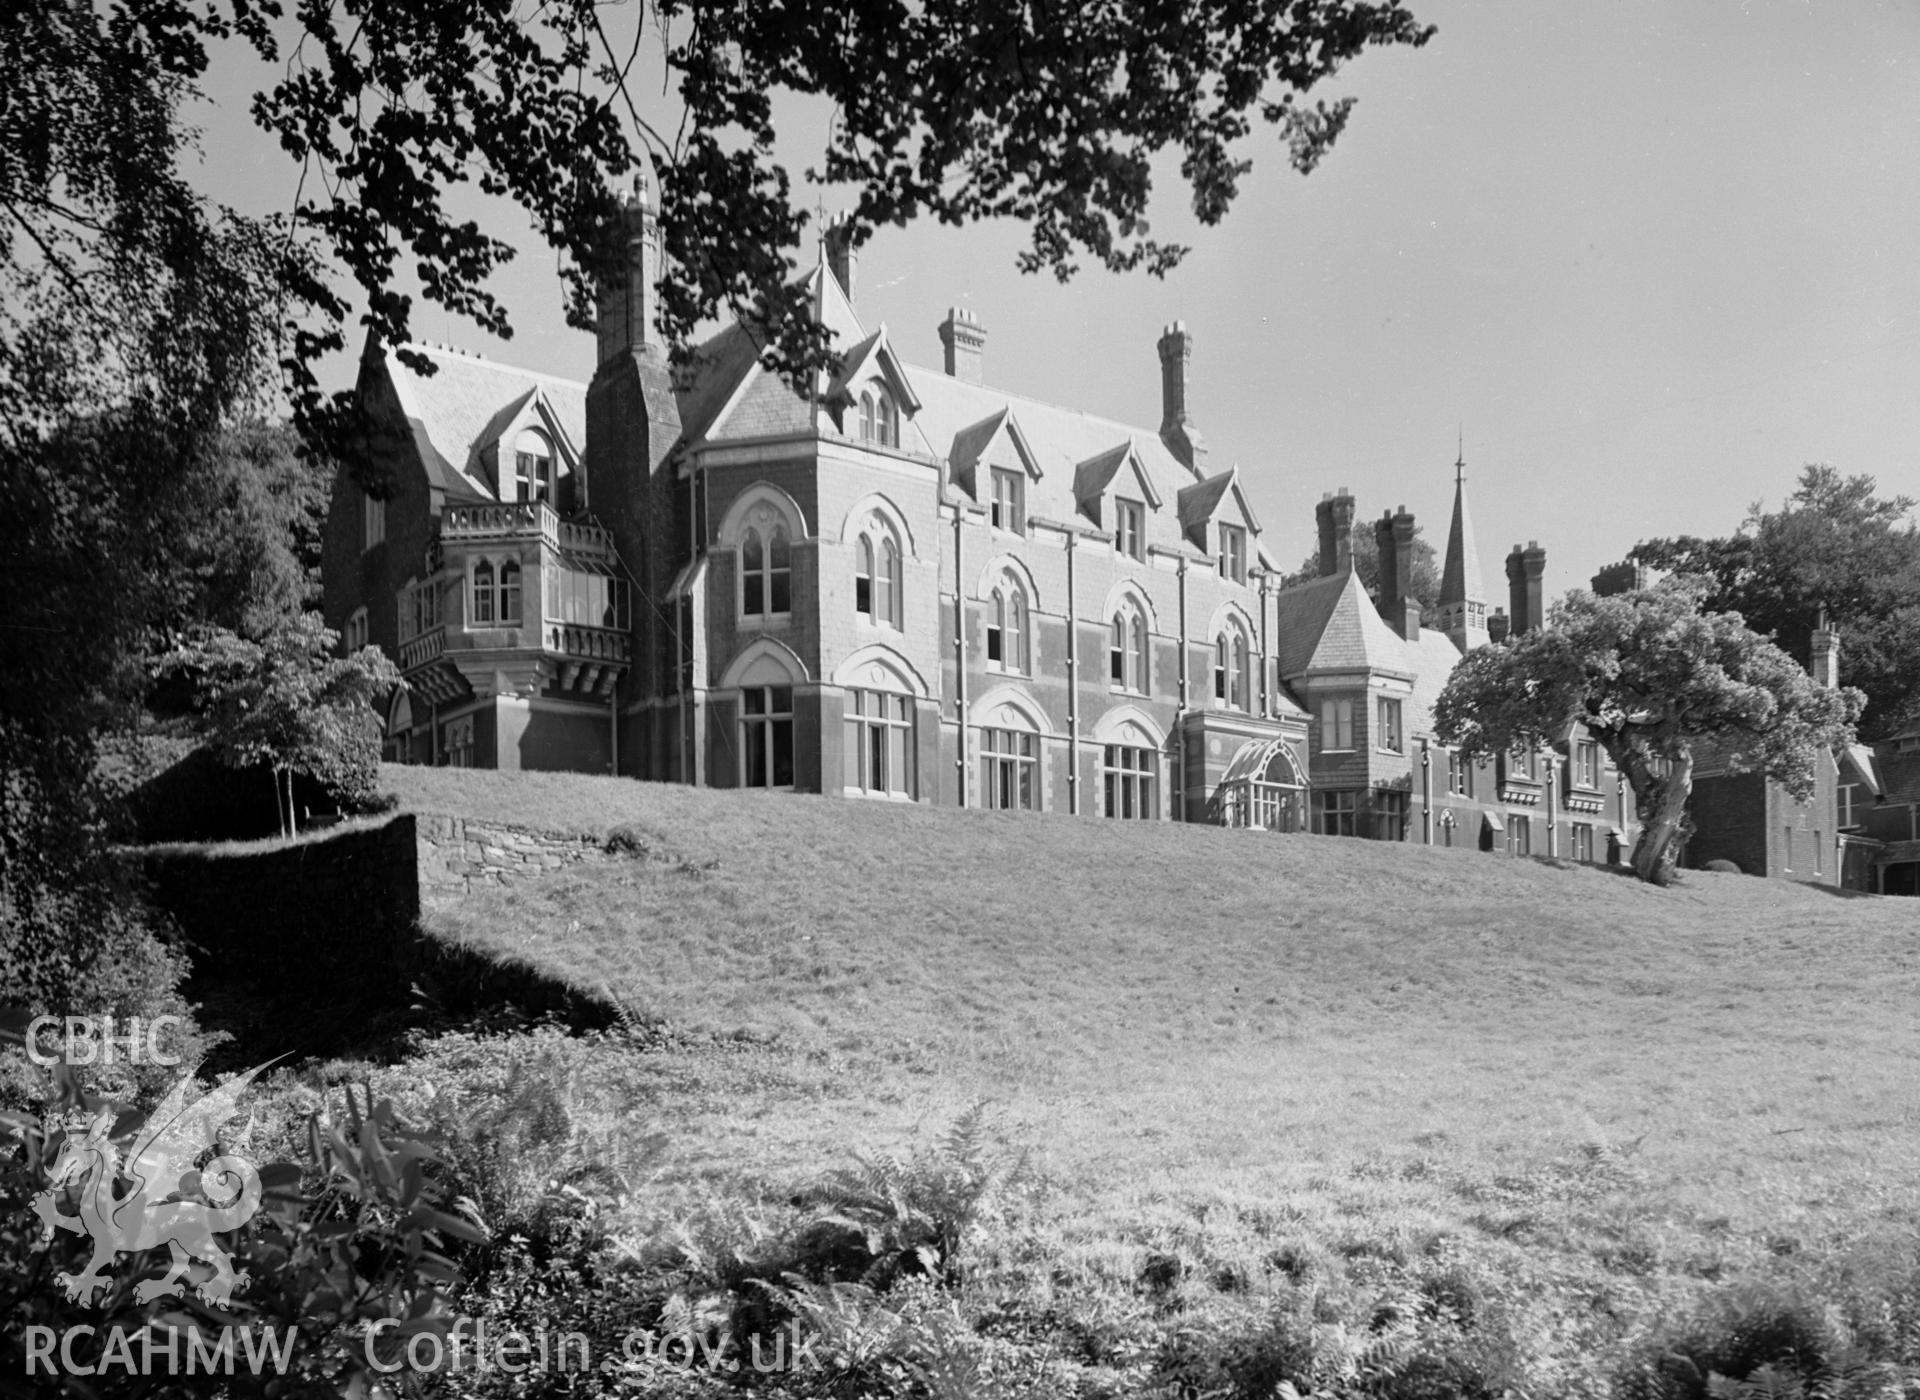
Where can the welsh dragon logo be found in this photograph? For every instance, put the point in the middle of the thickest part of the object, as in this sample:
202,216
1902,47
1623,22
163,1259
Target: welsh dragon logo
169,1202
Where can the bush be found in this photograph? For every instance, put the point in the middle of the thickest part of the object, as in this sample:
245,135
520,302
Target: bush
1757,1339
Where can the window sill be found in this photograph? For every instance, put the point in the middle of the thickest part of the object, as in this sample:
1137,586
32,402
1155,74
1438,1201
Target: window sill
763,620
868,795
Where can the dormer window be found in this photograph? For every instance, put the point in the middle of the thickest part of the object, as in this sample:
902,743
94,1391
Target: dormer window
532,467
1129,528
1009,493
879,417
1233,553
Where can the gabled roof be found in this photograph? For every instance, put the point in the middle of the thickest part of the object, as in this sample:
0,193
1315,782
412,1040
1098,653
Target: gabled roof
1901,773
467,402
1200,503
1860,757
973,442
869,353
1092,477
719,366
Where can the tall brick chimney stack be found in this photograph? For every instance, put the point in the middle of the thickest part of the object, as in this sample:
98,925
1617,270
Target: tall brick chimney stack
1390,584
1177,431
1526,601
965,342
1342,531
842,258
1407,624
624,301
1826,655
1323,518
1393,539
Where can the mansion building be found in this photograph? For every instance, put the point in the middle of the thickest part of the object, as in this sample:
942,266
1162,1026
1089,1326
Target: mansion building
905,585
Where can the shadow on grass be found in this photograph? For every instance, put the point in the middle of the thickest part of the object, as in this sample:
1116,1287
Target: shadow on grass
441,986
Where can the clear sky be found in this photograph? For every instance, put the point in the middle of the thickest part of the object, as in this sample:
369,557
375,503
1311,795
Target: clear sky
1649,258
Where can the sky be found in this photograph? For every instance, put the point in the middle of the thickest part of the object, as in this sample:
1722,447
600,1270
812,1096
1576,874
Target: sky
1645,260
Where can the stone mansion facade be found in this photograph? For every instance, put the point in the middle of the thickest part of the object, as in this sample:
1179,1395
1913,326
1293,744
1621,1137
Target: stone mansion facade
905,585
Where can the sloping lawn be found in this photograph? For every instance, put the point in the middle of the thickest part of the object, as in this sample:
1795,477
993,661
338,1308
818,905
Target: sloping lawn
1160,1004
1242,1048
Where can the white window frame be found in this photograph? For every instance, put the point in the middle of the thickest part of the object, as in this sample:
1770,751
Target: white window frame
1129,651
1336,725
1586,764
1129,528
354,635
1233,552
1008,509
762,730
1233,669
1129,777
1009,629
535,478
868,763
878,563
1390,736
1010,770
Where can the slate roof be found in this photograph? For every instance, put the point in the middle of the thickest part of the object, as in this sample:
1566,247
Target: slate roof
467,402
1331,624
1461,579
1901,774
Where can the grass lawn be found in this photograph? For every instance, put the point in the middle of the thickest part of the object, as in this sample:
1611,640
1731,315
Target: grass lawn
1230,1036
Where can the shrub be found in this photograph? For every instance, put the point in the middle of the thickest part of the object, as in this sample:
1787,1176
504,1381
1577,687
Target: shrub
1763,1336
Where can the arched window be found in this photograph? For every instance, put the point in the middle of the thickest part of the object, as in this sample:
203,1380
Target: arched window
482,609
886,583
1007,632
879,417
510,593
876,576
532,466
779,572
1232,680
1127,650
753,575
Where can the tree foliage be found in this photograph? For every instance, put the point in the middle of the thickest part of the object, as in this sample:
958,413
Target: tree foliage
952,109
288,703
1652,676
1834,546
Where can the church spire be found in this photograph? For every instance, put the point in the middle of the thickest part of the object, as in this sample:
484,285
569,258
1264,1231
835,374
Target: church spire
1463,600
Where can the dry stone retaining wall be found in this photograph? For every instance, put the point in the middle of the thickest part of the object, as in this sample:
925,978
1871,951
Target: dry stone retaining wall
458,855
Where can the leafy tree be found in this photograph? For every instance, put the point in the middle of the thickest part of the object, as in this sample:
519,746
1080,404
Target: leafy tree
951,109
1652,676
1836,547
1424,587
286,702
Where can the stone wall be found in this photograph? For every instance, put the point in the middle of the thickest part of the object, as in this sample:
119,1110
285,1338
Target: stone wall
458,855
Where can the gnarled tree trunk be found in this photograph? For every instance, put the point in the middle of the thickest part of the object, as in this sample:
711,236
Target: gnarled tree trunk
1660,801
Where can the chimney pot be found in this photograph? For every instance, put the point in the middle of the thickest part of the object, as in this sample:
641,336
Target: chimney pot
964,340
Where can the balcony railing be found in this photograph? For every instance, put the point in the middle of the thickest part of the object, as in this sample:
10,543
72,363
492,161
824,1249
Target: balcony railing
525,520
426,647
578,642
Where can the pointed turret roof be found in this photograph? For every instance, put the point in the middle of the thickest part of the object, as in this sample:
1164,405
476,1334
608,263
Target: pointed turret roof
1461,580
